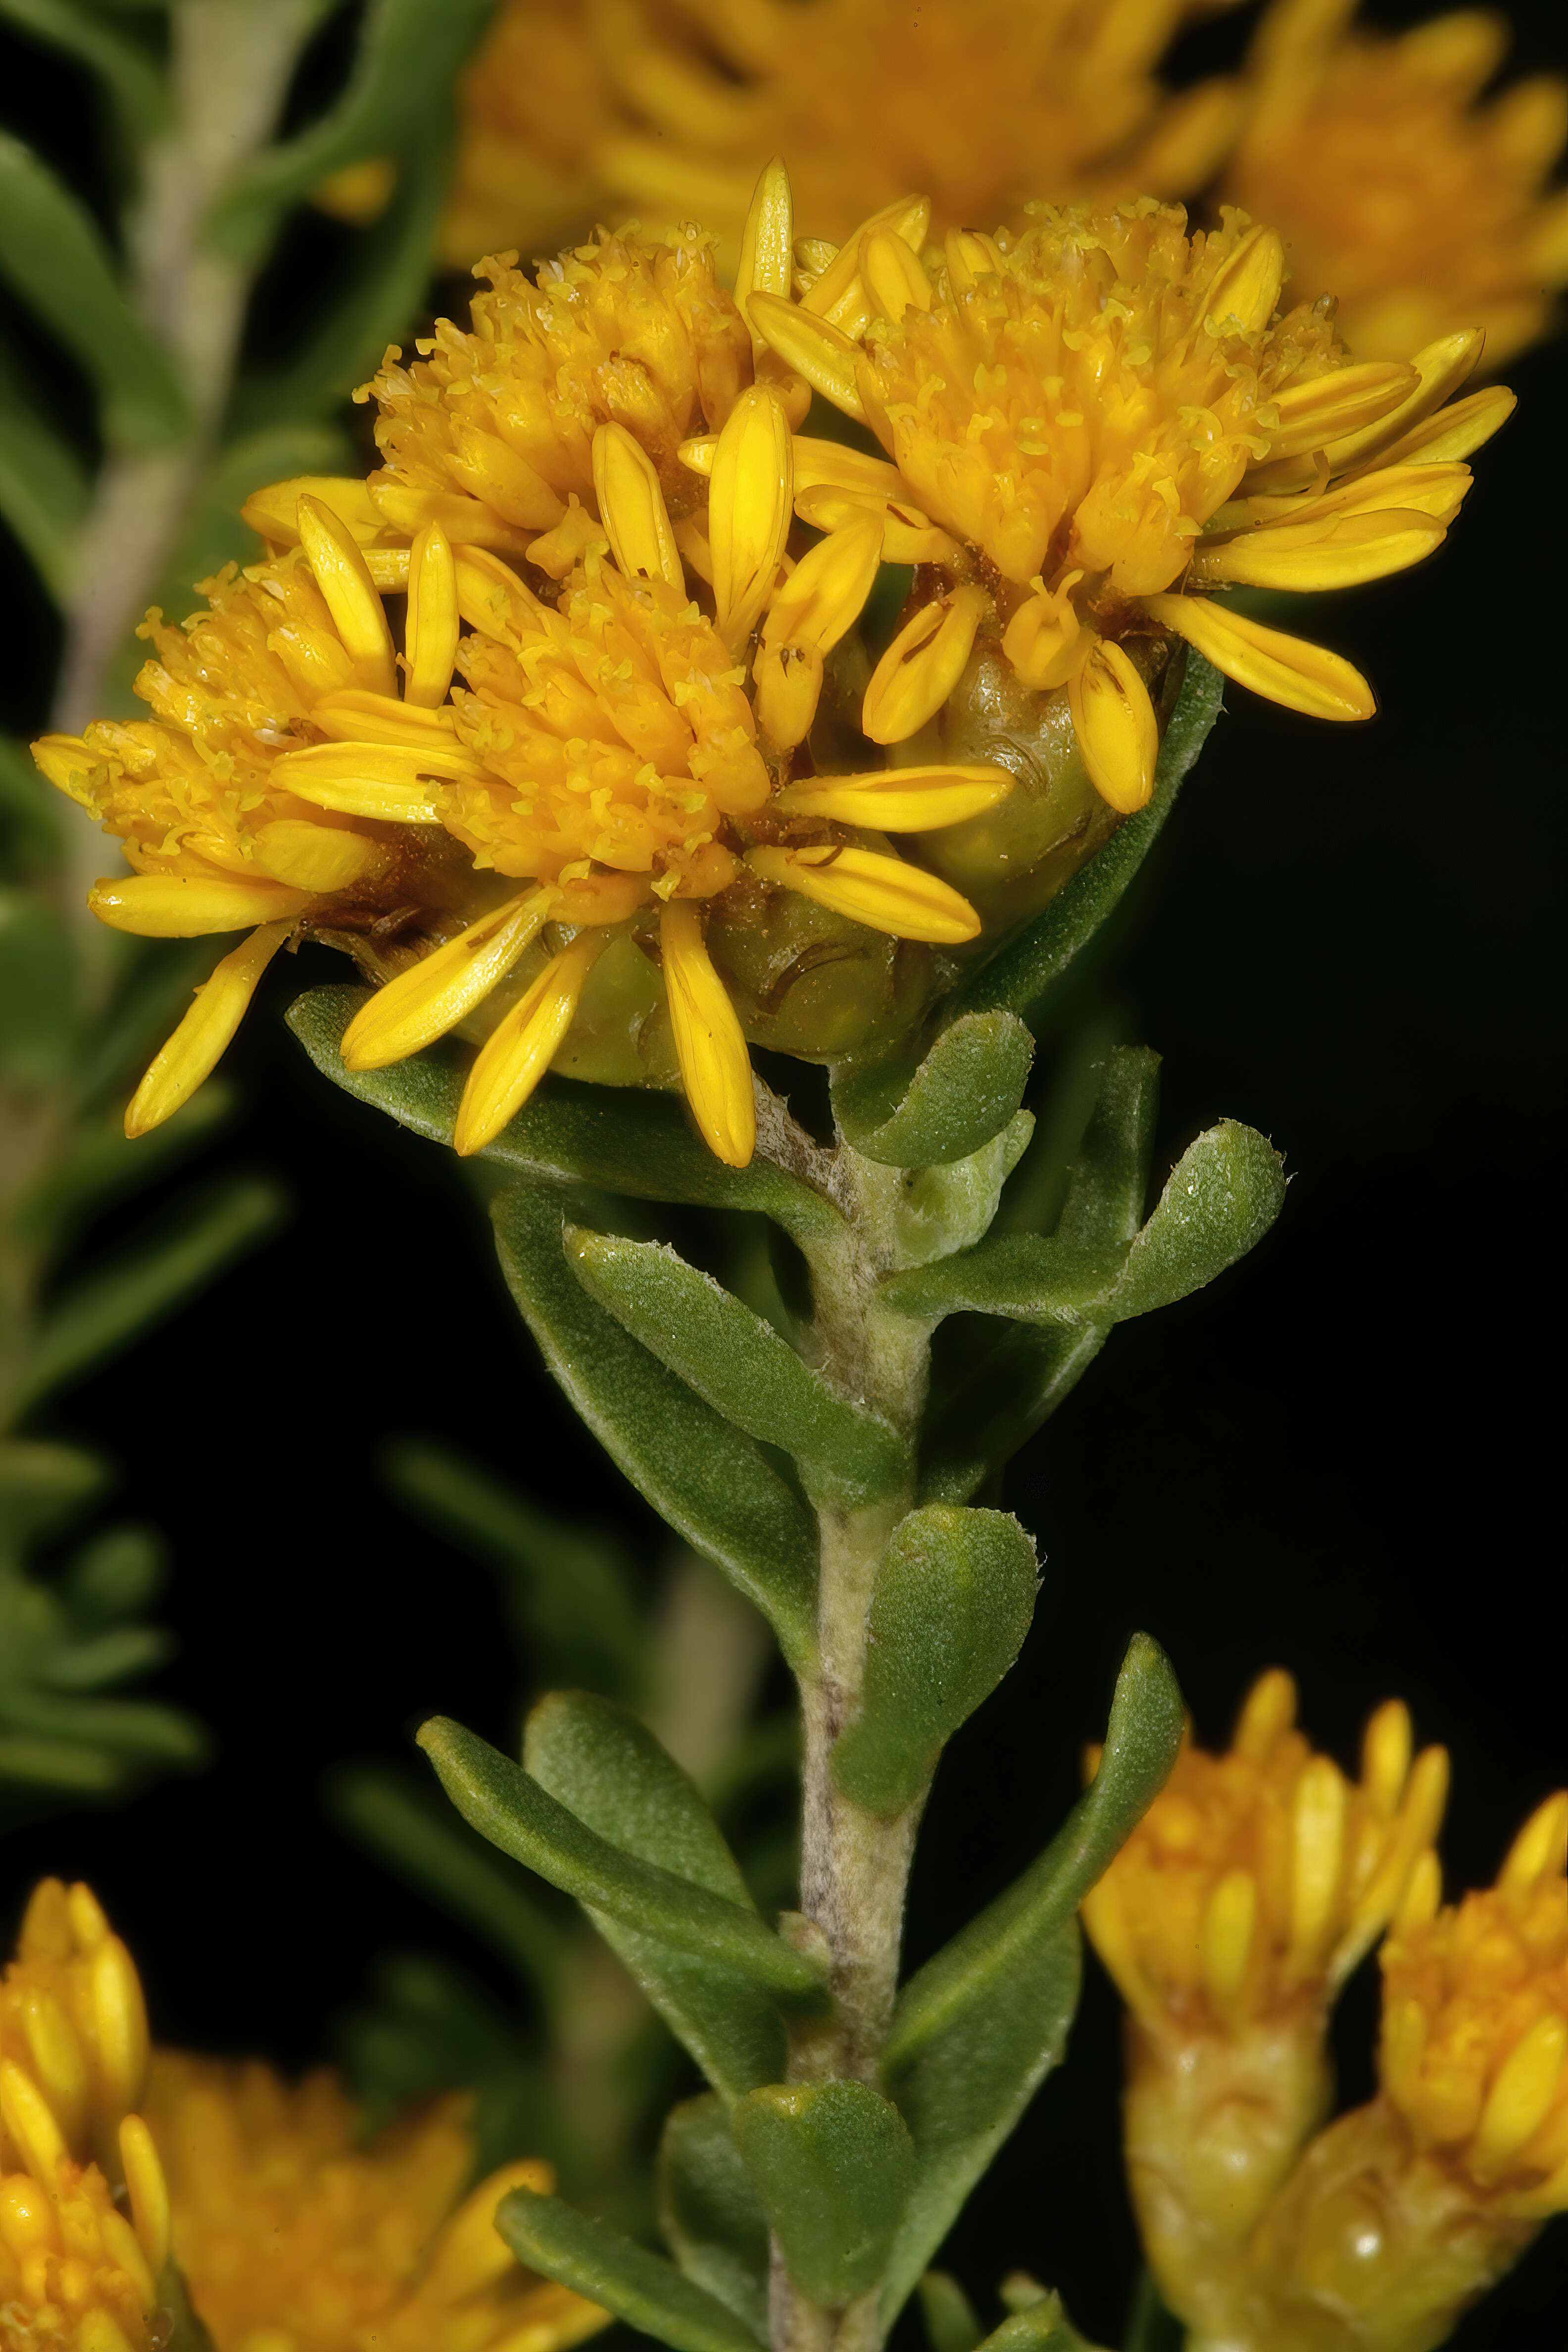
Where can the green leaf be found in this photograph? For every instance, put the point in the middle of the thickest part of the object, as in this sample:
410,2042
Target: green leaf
708,1480
624,1138
38,991
508,1806
42,1487
32,815
122,65
410,1829
710,2212
1041,2326
833,2163
1033,1278
739,1365
1110,1178
965,1091
1035,955
643,2289
976,2031
53,257
410,54
571,1591
43,487
146,1283
613,1774
1222,1196
951,1603
950,2322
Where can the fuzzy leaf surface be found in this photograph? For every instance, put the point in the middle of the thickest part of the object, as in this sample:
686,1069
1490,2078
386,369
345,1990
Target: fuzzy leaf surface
1222,1196
624,1138
612,1773
643,2289
710,2212
832,2163
965,1091
951,1606
509,1807
738,1364
976,2031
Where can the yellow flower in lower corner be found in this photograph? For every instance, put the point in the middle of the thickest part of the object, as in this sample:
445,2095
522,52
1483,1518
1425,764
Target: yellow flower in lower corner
1092,427
1422,212
1250,1889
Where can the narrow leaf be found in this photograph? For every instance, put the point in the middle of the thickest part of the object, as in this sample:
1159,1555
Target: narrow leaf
613,1774
711,2217
145,1283
508,1806
950,2322
832,2163
739,1365
951,1603
43,488
124,67
1035,956
623,1138
707,1479
976,2031
1033,1278
964,1092
53,255
409,51
1041,2326
32,815
42,1486
1222,1196
1110,1178
643,2289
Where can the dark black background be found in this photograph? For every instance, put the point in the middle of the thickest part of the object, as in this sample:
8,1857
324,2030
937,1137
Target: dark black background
1344,1457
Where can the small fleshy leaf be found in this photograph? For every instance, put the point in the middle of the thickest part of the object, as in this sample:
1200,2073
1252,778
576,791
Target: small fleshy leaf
643,2289
964,1092
710,2212
832,2163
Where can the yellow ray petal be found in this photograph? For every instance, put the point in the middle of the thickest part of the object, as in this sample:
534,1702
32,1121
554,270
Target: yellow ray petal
189,906
59,2062
907,536
469,2254
811,348
838,294
1317,1861
1313,414
1247,286
1267,1712
899,800
1117,731
432,996
748,507
923,665
149,2190
872,888
353,716
274,512
1456,431
316,858
493,600
1440,369
358,614
1385,1752
825,591
1522,2097
25,2112
430,632
893,276
1541,1846
1341,551
468,522
715,1068
1285,670
192,1053
632,506
786,683
767,241
516,1056
391,782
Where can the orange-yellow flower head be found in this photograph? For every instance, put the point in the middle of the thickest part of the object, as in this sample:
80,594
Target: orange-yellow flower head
293,2232
1229,1920
1422,212
1094,424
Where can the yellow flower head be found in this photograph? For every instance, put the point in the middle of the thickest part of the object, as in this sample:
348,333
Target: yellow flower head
293,2232
1474,2052
491,430
1422,213
1092,424
73,2272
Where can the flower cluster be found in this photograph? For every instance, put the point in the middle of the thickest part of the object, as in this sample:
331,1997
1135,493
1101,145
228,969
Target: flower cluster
1424,213
256,2200
567,722
1252,1887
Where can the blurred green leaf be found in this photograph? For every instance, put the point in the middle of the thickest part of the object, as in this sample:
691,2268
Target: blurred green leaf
951,1603
1035,955
705,1477
32,815
145,1282
976,2031
508,1806
152,980
641,2288
1222,1196
410,53
739,1365
571,1592
1041,2326
43,487
429,2029
126,70
213,534
833,2164
950,2322
1150,2327
101,1166
710,2214
42,1487
624,1138
417,1834
114,1576
965,1091
53,255
611,1772
38,991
